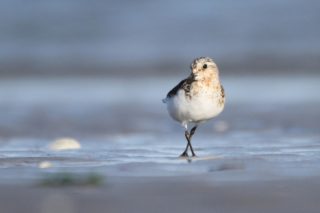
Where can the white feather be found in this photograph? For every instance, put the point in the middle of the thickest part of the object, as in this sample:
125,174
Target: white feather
195,110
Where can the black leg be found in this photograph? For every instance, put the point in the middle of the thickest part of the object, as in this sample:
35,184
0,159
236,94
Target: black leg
185,152
193,154
192,131
188,138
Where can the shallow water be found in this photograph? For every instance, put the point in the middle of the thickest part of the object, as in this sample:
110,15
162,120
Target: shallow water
124,129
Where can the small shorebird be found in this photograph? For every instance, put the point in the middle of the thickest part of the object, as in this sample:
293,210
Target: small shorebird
196,99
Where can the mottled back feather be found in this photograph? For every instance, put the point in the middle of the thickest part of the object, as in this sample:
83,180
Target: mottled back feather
222,92
184,84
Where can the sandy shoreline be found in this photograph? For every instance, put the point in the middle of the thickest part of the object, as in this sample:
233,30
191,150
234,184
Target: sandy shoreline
167,194
260,155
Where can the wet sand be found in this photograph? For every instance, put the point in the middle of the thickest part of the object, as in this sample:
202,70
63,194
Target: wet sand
260,155
167,194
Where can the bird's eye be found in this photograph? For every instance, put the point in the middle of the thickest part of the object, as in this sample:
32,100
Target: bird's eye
205,66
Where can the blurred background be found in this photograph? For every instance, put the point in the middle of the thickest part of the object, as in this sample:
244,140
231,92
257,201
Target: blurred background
72,37
81,84
96,71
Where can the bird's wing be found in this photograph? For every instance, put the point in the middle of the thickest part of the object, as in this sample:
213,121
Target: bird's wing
222,92
175,90
184,84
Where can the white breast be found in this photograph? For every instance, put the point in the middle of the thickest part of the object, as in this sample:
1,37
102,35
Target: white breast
196,109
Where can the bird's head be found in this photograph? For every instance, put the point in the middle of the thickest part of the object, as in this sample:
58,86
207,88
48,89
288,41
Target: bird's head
204,68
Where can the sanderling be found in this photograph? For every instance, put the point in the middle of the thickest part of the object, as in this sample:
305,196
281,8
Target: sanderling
196,99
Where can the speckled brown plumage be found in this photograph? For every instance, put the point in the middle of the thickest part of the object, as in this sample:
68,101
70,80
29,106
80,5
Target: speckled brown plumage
196,99
184,84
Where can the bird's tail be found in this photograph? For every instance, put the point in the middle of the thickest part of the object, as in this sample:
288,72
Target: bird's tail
164,100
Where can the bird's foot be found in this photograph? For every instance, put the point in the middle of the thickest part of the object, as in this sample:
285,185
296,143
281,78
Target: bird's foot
193,153
184,155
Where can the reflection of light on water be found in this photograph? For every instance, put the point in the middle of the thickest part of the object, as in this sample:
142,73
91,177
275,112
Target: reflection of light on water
45,164
65,144
57,202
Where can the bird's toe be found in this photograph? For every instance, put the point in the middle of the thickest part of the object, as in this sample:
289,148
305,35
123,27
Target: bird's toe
184,155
